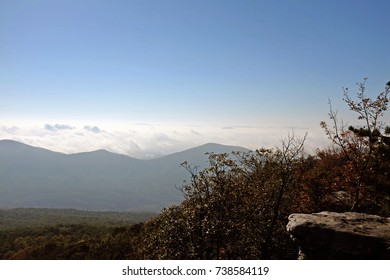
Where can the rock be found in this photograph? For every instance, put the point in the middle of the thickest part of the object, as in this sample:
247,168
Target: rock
350,235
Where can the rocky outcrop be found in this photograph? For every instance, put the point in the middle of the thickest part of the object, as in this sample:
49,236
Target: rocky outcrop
350,235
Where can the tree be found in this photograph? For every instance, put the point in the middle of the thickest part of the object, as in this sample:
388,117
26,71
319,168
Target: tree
236,208
286,180
360,144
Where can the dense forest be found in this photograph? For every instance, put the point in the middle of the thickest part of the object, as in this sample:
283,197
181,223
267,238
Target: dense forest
237,207
33,233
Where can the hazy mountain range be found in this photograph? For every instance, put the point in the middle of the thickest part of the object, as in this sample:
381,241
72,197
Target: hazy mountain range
98,180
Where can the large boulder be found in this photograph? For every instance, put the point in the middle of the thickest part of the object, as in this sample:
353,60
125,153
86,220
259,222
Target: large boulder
350,235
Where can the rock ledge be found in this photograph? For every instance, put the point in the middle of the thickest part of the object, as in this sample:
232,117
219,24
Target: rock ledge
349,235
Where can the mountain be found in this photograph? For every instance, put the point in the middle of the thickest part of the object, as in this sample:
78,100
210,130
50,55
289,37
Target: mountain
99,180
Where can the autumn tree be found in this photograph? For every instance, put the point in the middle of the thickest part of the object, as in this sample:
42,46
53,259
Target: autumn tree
285,186
236,208
363,146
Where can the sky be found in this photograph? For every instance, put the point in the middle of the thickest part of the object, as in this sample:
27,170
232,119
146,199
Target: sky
151,77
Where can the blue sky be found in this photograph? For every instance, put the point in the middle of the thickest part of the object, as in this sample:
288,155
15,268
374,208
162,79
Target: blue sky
237,71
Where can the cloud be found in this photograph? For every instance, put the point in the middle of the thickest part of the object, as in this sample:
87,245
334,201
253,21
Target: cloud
195,132
297,127
56,127
93,129
10,129
243,127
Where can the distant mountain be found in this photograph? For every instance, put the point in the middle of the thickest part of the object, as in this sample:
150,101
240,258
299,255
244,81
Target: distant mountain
100,180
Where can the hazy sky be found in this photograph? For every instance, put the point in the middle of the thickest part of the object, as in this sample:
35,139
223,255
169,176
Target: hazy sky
146,77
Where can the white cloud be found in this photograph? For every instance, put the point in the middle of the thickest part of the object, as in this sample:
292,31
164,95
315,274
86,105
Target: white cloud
93,129
56,127
12,130
151,140
195,132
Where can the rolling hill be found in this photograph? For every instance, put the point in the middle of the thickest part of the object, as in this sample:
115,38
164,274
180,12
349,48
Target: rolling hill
99,180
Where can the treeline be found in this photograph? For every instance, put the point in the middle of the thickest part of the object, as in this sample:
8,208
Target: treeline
40,217
237,207
31,233
69,242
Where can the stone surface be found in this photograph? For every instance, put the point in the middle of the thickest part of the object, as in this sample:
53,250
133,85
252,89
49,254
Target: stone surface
350,235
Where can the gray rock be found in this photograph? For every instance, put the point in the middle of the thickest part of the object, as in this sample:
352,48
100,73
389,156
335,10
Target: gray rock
350,235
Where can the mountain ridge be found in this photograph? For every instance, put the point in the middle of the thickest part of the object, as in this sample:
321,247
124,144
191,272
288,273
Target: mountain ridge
98,180
210,146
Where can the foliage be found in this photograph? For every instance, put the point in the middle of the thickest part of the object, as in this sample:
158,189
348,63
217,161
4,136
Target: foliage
51,234
237,208
68,242
41,217
362,151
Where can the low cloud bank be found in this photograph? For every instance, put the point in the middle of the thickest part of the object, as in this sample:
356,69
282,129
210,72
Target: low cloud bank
57,126
151,141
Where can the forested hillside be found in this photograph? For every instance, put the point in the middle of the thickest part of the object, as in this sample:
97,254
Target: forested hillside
28,233
41,217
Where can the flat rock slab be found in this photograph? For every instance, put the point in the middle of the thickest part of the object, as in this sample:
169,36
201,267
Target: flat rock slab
349,235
